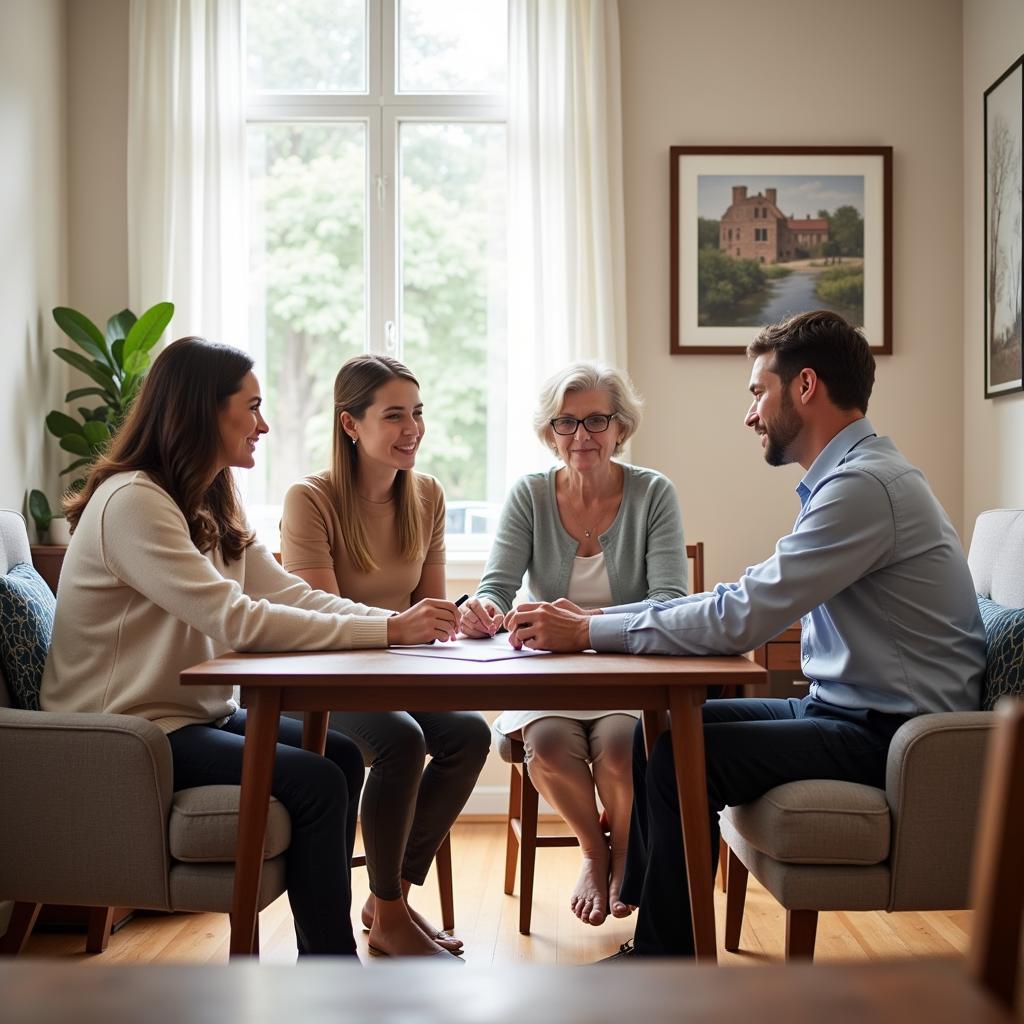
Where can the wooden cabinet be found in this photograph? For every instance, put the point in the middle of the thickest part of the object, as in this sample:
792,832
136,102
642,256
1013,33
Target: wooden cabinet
781,657
48,559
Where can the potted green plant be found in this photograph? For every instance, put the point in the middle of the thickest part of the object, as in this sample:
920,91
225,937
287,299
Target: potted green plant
116,362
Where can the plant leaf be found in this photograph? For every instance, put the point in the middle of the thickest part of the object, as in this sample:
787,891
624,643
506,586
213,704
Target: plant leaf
82,392
117,350
77,464
39,510
97,434
131,389
60,425
86,414
82,331
101,413
97,371
136,364
146,331
76,444
118,326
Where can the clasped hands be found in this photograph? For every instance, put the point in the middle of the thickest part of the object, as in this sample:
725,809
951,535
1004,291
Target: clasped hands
543,626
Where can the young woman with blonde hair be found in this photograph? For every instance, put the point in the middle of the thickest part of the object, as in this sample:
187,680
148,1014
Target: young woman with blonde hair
372,528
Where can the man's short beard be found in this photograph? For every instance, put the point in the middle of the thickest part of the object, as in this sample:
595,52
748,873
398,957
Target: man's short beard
783,433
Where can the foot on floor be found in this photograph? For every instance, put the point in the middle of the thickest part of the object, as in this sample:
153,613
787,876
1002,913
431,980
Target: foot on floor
589,900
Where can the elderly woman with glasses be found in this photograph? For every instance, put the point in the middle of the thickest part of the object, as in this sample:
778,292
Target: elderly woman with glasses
591,532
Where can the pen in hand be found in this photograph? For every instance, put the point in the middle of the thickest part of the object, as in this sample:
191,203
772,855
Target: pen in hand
461,601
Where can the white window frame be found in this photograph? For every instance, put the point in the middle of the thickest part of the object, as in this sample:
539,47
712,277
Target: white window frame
382,109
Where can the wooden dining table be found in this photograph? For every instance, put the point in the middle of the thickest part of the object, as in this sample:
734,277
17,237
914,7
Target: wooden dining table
384,680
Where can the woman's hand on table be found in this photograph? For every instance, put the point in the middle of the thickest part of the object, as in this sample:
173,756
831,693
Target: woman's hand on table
426,621
549,627
480,618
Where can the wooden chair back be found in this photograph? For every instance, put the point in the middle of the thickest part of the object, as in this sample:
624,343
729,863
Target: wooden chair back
695,554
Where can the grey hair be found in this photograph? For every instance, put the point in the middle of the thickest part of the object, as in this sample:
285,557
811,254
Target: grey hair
588,376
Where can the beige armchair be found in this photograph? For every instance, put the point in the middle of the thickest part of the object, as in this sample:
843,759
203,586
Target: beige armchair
821,845
88,816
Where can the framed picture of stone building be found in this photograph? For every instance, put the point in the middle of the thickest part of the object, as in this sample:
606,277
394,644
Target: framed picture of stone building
759,233
1004,271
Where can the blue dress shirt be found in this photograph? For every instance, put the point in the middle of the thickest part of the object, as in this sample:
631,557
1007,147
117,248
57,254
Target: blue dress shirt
876,574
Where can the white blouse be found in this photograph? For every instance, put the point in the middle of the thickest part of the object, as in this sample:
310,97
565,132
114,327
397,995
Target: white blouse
589,586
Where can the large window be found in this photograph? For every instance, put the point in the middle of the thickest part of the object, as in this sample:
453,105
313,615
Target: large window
376,141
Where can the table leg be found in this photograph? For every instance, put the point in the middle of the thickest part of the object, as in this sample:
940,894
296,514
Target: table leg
314,731
262,722
655,723
688,755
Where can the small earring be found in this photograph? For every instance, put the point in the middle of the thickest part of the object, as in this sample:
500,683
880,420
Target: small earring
353,442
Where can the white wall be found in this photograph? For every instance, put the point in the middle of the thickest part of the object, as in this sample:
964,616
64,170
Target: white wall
794,72
97,72
731,72
33,217
993,38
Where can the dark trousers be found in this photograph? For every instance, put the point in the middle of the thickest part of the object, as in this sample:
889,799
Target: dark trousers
321,795
408,809
751,746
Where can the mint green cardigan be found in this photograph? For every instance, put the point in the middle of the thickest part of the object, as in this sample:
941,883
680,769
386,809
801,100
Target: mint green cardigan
644,550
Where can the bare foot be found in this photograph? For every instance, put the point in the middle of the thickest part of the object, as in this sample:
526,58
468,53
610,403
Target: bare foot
589,900
443,939
394,932
449,942
618,908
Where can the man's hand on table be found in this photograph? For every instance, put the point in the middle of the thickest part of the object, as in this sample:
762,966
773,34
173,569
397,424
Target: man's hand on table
559,626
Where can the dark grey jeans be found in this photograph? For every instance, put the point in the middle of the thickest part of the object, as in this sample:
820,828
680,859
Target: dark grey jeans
408,810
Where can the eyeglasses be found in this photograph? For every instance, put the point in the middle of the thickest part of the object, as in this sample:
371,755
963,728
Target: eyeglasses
568,425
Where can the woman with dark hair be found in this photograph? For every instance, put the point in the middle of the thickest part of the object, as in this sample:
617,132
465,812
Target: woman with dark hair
163,572
372,528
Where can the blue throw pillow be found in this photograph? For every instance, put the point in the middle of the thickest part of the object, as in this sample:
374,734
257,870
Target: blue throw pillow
1004,652
26,625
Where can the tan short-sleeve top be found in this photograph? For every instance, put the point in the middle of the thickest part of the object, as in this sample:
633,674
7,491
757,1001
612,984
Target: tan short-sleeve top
312,537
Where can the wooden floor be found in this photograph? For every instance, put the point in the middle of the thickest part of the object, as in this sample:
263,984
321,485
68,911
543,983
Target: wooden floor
487,920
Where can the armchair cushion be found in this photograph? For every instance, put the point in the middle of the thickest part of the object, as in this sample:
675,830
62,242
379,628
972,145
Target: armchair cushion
204,825
817,821
26,625
1004,652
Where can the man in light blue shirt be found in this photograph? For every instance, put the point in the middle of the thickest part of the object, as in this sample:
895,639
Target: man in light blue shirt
874,571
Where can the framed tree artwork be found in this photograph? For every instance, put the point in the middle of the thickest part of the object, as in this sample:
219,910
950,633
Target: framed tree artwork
1004,272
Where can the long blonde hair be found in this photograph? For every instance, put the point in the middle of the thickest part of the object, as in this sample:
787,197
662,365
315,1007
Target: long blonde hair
354,390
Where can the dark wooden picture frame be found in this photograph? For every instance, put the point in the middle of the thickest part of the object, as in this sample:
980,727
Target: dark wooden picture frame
777,264
1004,241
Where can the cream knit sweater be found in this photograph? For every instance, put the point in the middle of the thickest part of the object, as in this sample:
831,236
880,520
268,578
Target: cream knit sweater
137,603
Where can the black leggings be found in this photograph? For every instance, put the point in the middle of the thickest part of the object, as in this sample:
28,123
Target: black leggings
321,795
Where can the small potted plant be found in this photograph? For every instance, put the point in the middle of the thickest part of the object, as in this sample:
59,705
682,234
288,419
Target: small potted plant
51,528
116,362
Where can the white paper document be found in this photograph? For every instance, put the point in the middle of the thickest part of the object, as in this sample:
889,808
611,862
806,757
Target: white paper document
495,648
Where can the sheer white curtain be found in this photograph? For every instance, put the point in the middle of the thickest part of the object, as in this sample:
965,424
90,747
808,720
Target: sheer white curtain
186,183
567,288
